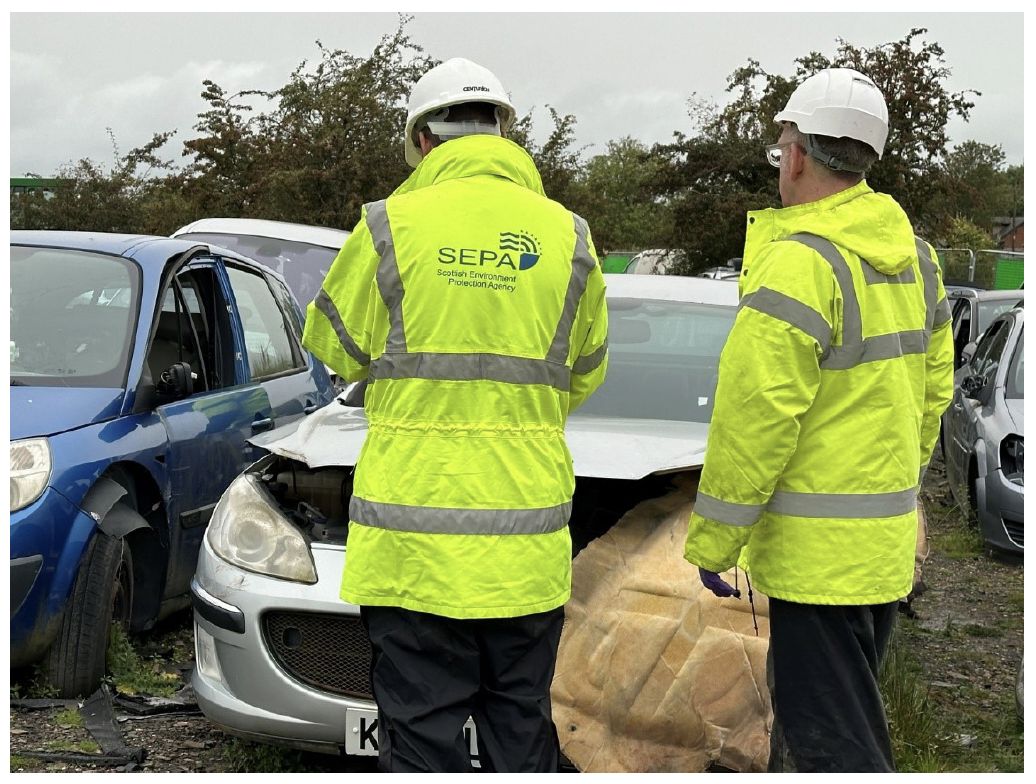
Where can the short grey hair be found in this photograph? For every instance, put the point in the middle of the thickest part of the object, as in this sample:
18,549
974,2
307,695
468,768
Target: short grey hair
856,156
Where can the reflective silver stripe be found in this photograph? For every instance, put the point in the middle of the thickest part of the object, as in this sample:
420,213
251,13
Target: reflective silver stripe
929,275
942,312
920,477
891,346
582,265
852,321
471,367
590,362
390,284
856,350
873,276
726,511
429,520
791,311
326,305
844,505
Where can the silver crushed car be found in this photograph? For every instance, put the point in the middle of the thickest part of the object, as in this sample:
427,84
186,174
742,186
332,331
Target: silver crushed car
983,432
282,659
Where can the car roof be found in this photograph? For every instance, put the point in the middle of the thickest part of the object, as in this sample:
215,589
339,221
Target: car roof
677,288
280,230
987,294
135,245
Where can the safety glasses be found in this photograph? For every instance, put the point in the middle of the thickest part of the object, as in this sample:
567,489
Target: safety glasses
775,151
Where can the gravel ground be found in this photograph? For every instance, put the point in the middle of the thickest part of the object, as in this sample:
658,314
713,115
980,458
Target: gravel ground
969,642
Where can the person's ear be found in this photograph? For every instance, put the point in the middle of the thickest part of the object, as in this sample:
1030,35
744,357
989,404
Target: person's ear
425,143
796,160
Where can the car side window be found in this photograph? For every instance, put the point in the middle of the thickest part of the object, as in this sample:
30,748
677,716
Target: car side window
990,348
270,340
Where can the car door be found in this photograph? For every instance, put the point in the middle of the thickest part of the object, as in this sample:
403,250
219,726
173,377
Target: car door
271,325
965,411
207,429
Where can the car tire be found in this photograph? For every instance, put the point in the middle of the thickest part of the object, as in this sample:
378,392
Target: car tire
101,597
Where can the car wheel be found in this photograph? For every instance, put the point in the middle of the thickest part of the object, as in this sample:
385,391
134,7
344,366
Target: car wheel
102,596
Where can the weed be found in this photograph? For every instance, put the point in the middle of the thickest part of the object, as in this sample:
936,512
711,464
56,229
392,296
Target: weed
246,757
20,763
914,733
69,717
82,746
135,675
978,630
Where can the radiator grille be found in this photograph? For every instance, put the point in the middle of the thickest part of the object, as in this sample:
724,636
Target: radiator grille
329,652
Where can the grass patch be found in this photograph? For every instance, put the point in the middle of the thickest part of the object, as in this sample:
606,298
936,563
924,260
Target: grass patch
978,630
935,736
243,756
133,674
35,688
81,746
21,764
69,717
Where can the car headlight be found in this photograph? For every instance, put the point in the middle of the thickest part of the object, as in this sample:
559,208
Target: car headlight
1011,459
30,471
248,530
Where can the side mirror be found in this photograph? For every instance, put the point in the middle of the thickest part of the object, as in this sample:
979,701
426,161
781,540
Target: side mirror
968,352
972,386
176,382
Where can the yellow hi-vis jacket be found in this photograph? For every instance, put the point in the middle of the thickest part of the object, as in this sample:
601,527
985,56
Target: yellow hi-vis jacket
475,307
831,385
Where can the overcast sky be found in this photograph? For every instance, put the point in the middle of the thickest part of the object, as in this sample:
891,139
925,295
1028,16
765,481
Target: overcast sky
73,75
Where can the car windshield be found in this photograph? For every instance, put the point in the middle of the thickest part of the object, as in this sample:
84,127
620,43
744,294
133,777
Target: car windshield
73,317
303,265
1016,375
989,309
663,359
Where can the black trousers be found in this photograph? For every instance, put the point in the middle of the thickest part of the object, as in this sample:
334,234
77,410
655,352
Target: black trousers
822,670
430,673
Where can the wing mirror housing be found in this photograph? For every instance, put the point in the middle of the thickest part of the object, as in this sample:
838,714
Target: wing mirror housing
176,382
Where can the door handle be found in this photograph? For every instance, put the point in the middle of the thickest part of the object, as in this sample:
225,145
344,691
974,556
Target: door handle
259,425
310,407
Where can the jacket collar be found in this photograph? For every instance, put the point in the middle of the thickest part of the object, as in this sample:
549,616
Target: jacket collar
471,156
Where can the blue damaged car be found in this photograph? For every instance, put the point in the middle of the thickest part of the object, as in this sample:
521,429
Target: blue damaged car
139,367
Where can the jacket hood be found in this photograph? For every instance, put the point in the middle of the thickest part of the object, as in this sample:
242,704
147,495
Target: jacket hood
470,156
871,225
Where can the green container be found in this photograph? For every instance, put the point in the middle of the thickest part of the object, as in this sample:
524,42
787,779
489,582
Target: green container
1009,273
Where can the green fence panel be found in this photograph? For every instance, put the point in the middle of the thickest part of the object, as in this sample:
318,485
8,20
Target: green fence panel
616,261
1008,274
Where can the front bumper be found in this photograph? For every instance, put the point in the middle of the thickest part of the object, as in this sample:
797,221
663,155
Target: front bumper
1001,513
261,641
48,539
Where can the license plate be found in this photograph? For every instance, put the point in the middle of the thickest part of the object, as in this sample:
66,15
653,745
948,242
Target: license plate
361,734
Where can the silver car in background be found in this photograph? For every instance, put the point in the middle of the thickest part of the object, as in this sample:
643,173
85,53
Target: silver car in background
282,659
983,431
973,310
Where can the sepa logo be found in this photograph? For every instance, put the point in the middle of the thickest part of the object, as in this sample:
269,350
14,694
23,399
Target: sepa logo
523,244
517,251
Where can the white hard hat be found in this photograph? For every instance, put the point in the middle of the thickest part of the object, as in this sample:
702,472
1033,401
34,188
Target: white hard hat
839,102
455,81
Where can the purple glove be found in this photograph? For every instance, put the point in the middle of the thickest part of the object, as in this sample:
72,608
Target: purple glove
717,584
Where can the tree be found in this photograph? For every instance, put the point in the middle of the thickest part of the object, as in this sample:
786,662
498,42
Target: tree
329,142
721,169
